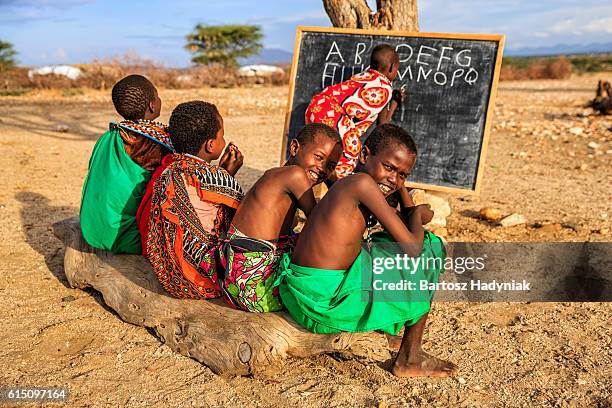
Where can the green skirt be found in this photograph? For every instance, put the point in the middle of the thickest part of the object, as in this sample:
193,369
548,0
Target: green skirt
330,301
111,195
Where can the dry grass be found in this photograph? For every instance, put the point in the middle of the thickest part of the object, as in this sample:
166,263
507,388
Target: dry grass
518,69
102,74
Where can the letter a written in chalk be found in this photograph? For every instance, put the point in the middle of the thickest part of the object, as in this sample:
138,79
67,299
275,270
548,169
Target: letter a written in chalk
334,50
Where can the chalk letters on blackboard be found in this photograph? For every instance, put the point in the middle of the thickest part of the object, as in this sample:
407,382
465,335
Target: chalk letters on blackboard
361,47
471,77
331,52
336,70
443,57
423,74
437,79
468,58
408,71
456,74
400,49
421,53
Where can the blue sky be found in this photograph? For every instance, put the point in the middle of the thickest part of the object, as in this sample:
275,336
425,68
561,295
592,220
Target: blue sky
76,31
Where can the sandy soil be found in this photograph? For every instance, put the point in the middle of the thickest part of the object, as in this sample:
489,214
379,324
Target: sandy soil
538,165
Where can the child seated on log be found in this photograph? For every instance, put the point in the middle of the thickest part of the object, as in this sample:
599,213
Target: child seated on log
230,161
328,284
192,203
120,166
352,106
261,231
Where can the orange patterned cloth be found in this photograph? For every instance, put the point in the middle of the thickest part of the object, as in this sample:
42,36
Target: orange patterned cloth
180,249
351,107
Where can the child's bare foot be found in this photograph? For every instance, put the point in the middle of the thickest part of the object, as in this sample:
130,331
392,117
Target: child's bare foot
425,366
394,342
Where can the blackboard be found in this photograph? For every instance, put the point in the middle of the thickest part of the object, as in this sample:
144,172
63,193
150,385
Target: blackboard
450,81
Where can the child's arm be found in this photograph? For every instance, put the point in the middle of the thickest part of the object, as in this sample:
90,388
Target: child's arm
387,112
426,213
409,235
407,205
400,197
299,186
405,199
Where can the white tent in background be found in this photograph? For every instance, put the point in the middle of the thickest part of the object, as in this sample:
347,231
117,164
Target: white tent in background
259,70
64,70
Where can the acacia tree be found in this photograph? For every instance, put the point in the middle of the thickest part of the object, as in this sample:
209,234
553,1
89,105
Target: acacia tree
7,55
389,15
223,44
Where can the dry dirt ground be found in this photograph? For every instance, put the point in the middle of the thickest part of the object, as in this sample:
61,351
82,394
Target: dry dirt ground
539,164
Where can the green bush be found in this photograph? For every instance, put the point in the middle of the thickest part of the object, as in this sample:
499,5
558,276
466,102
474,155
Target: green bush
7,55
223,44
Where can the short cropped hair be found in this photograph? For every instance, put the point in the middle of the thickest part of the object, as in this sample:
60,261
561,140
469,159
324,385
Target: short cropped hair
131,96
382,56
192,124
308,133
384,135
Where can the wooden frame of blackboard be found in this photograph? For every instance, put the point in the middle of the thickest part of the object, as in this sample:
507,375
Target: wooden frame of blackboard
453,36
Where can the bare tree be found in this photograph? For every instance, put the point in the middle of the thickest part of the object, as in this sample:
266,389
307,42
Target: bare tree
401,15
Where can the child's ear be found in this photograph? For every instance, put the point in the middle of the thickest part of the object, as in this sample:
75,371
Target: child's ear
364,154
209,145
294,146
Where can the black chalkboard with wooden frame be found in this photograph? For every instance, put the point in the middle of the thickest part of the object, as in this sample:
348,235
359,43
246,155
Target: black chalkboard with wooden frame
450,81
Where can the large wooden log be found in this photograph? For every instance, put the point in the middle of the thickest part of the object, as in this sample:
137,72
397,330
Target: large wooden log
226,340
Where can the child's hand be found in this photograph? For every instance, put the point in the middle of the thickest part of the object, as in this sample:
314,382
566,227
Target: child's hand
425,212
224,158
232,159
405,197
399,95
331,179
393,199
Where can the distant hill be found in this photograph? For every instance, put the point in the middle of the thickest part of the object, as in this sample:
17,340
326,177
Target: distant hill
560,49
273,56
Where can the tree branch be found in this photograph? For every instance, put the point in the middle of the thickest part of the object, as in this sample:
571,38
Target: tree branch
399,15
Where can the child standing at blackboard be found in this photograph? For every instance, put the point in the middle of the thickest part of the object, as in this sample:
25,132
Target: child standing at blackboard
331,283
351,107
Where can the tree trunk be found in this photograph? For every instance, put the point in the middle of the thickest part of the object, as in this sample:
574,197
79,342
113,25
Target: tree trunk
399,15
603,98
226,340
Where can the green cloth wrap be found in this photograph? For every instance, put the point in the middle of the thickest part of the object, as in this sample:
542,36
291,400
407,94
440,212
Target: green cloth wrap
111,195
330,301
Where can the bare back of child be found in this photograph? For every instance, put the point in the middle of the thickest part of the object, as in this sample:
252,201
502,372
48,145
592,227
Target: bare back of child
268,209
331,242
261,230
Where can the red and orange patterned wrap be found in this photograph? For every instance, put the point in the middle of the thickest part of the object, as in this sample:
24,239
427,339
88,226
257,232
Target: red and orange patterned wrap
181,251
351,107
